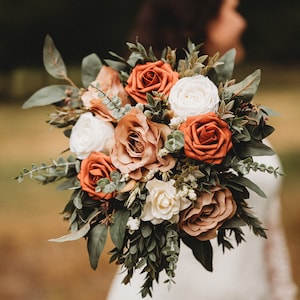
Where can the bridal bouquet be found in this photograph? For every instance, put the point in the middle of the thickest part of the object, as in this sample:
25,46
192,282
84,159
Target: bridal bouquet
159,150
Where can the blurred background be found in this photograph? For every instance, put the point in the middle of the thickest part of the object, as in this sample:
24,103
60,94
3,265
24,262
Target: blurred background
33,268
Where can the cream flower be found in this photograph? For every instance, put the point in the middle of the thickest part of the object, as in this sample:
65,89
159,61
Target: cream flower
133,224
162,203
90,134
191,96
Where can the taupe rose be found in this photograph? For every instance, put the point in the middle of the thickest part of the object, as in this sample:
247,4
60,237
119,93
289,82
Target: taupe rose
137,142
206,216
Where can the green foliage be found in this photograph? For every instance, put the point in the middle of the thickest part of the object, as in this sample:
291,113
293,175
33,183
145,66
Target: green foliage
57,170
202,251
244,181
245,89
50,95
224,70
96,240
53,61
152,249
175,141
246,214
118,227
90,68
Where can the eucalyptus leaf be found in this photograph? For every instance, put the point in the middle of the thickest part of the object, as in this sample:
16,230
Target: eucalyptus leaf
118,227
245,89
53,61
90,68
73,236
223,72
96,242
115,64
48,95
202,251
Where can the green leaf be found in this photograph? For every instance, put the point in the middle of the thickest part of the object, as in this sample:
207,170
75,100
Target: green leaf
96,242
48,95
90,68
146,230
118,227
73,236
53,61
202,251
223,72
245,89
248,183
253,148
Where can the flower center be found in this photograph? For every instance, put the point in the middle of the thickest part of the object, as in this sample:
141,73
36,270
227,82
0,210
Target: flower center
134,143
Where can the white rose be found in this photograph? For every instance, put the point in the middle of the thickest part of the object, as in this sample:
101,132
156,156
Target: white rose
90,134
162,203
192,96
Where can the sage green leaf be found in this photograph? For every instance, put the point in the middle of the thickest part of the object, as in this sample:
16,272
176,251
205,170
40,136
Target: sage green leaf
118,227
223,72
245,89
248,183
48,95
96,242
53,61
90,68
202,251
73,236
115,64
146,230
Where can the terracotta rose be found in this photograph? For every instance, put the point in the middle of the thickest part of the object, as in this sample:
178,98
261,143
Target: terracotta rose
209,212
151,76
96,166
109,82
137,142
207,138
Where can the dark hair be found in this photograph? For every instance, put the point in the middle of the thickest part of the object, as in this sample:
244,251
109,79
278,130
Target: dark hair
162,23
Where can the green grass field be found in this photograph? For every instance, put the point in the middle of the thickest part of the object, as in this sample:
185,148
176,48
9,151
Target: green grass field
33,268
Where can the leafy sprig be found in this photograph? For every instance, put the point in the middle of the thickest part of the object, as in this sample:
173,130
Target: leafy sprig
48,173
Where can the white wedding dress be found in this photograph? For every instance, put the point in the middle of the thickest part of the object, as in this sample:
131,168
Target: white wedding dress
257,269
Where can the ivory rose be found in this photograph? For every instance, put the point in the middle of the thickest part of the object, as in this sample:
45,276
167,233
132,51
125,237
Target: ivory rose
192,96
137,142
162,203
90,134
151,76
96,166
206,138
110,84
206,216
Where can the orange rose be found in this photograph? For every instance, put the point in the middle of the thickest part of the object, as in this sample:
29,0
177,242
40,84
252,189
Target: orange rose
210,211
110,83
96,166
137,142
152,76
207,138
